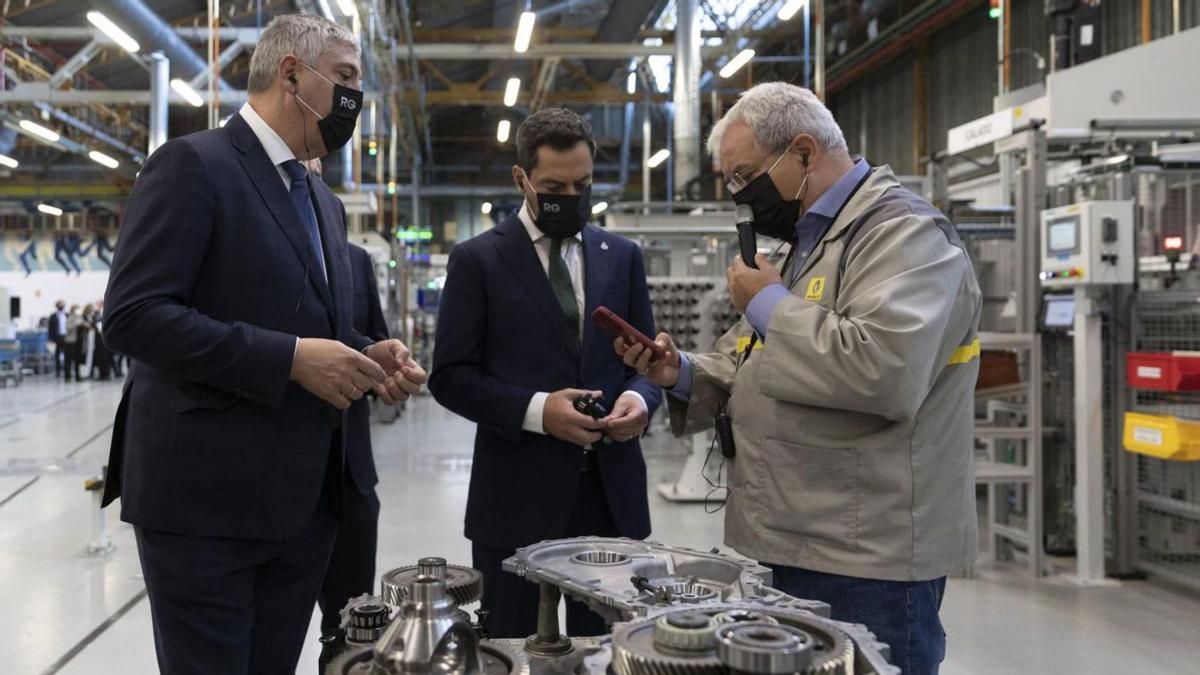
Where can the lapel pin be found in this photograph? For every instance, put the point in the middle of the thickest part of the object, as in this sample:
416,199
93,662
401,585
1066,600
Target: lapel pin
604,246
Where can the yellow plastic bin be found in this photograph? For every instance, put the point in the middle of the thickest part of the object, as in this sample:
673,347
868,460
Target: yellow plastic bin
1162,436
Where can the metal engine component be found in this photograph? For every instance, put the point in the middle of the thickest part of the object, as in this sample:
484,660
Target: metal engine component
676,612
791,641
464,584
685,632
495,659
621,579
765,648
365,621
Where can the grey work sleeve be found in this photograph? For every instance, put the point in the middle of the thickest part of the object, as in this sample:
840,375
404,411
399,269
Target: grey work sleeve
893,329
712,379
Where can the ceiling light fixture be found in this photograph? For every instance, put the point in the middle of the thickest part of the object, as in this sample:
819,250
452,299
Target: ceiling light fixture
113,31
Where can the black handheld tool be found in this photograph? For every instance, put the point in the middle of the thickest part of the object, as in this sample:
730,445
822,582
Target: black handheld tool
747,239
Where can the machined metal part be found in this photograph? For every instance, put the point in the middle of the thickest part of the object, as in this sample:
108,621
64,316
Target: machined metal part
677,612
769,648
495,659
622,578
793,641
464,584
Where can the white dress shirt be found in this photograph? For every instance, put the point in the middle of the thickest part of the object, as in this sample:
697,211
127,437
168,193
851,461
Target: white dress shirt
572,253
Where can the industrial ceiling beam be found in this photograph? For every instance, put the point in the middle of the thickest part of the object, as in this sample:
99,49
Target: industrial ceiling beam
76,63
34,92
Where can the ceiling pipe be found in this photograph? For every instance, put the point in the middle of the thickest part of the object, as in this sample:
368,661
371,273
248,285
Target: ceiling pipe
135,17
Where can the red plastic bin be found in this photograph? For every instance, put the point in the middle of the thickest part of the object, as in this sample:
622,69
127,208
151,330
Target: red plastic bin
1163,371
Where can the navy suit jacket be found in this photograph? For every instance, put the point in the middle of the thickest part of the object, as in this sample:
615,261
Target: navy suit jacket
212,281
368,321
501,338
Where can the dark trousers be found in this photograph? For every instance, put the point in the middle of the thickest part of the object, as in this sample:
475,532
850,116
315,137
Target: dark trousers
73,360
351,569
101,361
904,614
512,602
229,606
60,355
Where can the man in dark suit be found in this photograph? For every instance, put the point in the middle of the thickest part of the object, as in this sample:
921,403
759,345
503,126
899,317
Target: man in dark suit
56,333
351,569
231,291
515,348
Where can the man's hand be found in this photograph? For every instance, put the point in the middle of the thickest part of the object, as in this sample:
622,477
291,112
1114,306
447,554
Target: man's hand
403,384
661,372
628,419
391,355
334,372
745,282
562,421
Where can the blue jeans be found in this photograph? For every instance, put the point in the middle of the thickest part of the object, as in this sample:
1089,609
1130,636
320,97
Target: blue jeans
904,614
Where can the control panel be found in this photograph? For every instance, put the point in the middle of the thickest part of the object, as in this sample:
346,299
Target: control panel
1088,243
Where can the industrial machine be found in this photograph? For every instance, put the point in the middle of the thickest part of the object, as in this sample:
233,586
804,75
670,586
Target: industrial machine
1088,243
673,611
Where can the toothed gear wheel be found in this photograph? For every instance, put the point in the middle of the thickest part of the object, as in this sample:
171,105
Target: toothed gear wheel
636,653
463,584
685,632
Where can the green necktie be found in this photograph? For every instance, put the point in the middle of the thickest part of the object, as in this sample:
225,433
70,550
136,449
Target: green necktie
564,289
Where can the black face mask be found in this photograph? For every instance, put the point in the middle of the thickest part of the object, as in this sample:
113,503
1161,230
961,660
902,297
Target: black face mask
338,126
773,215
563,215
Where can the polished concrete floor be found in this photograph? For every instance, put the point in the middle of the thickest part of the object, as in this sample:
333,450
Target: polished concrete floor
64,611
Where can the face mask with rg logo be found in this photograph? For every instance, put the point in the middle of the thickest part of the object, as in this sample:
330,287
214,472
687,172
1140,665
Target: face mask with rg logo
562,216
338,126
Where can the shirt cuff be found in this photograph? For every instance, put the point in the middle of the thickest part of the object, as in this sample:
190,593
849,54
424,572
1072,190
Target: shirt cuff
641,399
683,386
533,414
759,311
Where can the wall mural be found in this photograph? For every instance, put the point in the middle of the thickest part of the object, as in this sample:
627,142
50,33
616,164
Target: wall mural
69,253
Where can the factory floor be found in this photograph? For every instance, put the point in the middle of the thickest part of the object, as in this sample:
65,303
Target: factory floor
64,612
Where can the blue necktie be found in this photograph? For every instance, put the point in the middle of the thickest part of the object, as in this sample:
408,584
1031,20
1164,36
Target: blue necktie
302,200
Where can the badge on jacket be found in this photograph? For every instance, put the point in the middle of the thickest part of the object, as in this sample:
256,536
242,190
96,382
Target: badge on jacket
816,289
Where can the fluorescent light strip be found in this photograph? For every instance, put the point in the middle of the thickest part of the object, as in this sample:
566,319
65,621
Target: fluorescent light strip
113,31
49,210
735,64
511,91
185,90
599,208
11,163
486,208
524,32
789,9
658,158
503,130
347,7
101,158
40,131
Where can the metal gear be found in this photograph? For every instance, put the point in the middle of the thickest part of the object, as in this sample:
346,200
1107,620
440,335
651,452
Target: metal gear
464,584
495,659
636,653
364,599
771,649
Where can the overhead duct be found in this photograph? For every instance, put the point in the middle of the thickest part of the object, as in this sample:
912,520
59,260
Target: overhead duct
622,24
155,34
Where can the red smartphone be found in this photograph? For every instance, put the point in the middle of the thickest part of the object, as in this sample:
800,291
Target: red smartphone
617,327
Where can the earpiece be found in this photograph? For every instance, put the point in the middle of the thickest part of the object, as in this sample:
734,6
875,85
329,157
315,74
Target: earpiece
804,160
292,79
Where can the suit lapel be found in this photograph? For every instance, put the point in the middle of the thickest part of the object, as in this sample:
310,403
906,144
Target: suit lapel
516,250
597,269
270,187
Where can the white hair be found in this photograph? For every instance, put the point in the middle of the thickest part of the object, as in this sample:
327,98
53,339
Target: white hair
305,36
776,113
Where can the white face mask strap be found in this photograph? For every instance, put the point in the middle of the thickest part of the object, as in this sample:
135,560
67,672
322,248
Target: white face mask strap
803,187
